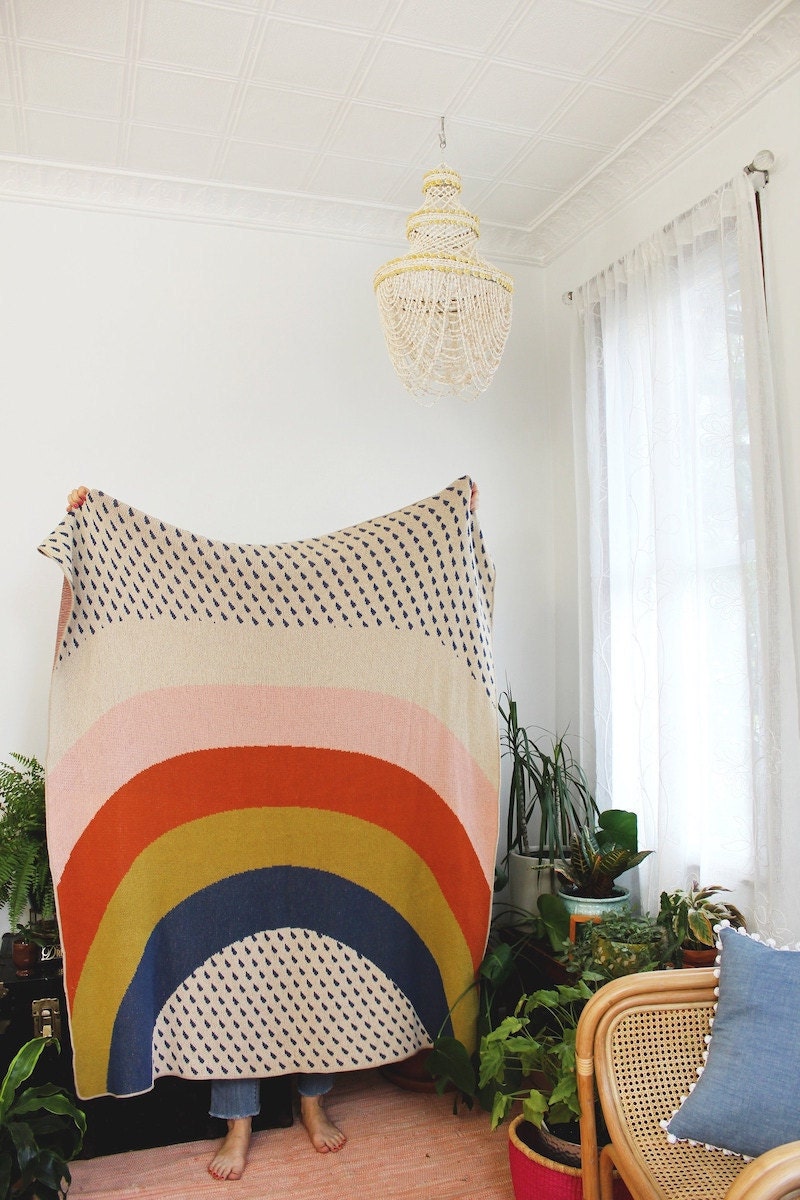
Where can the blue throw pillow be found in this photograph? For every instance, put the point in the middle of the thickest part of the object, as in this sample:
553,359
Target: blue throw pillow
747,1099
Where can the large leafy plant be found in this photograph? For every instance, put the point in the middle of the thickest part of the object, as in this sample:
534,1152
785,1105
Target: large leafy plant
537,1040
24,863
549,795
41,1130
599,854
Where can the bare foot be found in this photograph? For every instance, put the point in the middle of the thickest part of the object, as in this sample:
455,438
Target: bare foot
323,1133
230,1160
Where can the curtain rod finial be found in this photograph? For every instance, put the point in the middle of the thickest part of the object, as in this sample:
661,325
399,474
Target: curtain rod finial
762,164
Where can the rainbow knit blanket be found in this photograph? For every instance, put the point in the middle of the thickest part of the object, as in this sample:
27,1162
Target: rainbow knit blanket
272,785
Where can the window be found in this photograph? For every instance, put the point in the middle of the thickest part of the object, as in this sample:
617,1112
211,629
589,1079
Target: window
690,660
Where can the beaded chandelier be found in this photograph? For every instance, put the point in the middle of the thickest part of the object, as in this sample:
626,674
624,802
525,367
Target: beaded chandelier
445,312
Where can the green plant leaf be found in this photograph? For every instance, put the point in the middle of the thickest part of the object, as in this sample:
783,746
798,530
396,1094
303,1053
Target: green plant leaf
50,1098
24,864
544,998
21,1068
535,1107
500,1107
492,1062
566,1090
25,1146
498,963
620,827
51,1170
561,1114
450,1062
700,927
506,1027
520,1044
554,914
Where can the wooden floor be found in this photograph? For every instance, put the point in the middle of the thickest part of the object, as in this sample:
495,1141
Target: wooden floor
400,1145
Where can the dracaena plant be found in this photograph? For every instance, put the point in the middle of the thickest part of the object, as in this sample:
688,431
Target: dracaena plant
600,854
549,795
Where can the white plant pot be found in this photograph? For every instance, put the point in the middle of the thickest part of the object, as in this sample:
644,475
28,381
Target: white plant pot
528,879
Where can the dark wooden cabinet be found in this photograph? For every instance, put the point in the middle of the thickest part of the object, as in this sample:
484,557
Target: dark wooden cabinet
176,1110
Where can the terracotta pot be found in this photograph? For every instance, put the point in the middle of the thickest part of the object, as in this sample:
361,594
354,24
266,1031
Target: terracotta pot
25,956
411,1074
699,958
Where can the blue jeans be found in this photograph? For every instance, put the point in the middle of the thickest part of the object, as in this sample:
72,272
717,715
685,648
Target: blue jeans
233,1099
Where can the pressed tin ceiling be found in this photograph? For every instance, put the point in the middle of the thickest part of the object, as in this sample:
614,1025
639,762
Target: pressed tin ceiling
321,116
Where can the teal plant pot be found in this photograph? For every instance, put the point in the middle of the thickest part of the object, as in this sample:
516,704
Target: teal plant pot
590,906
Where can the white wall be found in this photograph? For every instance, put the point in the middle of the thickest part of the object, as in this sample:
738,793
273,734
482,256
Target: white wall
772,124
236,383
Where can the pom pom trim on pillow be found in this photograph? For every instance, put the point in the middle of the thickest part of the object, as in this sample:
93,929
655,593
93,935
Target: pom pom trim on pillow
722,1104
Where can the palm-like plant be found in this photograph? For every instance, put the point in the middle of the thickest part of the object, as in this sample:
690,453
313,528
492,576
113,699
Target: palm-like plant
24,863
546,778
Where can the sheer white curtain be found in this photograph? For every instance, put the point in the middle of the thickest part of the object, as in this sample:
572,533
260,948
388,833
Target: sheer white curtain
694,688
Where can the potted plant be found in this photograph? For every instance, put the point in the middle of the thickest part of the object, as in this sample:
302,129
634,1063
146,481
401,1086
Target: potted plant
599,853
620,943
548,800
25,877
499,982
527,1053
41,1130
689,917
530,1057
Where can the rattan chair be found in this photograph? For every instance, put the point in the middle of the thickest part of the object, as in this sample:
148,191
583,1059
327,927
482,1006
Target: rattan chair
640,1040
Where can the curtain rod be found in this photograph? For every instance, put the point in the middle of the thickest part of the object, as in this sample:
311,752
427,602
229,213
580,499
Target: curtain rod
761,164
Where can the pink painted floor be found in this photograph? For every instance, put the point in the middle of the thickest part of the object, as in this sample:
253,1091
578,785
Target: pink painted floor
400,1145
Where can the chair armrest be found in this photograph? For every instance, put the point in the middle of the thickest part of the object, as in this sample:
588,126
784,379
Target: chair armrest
770,1176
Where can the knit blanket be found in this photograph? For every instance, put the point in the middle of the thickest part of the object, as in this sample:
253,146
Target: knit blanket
272,792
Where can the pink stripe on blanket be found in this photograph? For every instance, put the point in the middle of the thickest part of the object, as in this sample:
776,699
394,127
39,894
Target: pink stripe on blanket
179,720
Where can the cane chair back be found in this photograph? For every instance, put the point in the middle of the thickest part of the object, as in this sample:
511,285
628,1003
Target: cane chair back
640,1042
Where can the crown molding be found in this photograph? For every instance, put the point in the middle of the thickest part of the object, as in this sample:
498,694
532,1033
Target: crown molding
768,57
